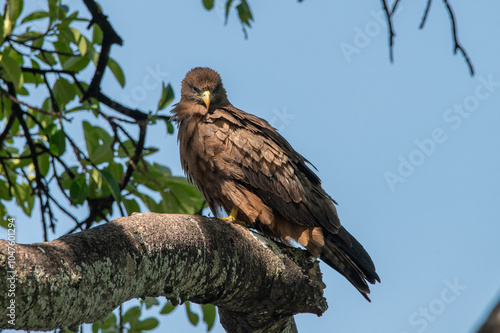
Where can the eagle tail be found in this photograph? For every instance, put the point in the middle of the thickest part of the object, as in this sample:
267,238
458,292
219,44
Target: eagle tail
347,256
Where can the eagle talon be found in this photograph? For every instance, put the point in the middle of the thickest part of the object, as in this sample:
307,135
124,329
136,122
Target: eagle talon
232,218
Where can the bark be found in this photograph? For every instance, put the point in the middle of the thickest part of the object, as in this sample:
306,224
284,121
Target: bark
257,284
492,323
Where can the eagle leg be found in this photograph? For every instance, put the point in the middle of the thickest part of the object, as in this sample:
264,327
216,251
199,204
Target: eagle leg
232,218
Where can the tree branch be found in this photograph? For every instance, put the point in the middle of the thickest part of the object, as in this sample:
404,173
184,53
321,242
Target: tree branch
388,15
457,45
257,284
110,37
492,323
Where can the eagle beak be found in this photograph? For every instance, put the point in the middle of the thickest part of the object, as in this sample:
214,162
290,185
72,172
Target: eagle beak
206,98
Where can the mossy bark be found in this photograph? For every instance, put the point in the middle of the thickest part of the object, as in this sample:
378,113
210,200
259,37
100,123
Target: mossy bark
257,284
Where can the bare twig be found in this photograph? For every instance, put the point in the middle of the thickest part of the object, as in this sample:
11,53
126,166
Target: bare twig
110,37
426,14
132,113
49,113
388,15
457,45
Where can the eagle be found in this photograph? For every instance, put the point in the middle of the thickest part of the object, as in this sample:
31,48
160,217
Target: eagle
243,165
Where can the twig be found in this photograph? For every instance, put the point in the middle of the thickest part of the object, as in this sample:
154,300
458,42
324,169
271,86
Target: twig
44,71
138,153
388,15
110,37
426,14
457,45
134,114
49,113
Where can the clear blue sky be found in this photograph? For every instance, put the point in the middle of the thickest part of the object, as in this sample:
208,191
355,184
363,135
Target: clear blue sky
423,123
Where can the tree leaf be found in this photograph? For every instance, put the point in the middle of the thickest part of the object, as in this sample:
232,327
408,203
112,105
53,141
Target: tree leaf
76,63
12,70
209,4
35,16
4,191
132,315
244,13
64,92
209,314
150,302
78,190
131,206
98,143
170,126
81,41
228,7
167,308
43,164
146,324
193,317
112,184
13,10
167,96
57,143
96,34
117,71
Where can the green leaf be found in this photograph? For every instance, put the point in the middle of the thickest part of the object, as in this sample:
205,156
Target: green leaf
170,126
112,184
167,308
57,143
66,180
132,315
146,324
24,197
47,58
209,314
228,7
53,10
98,143
150,302
64,92
167,96
149,202
78,190
131,206
76,63
12,71
35,16
3,31
80,41
4,222
13,10
244,12
209,4
117,71
126,149
193,317
44,164
4,191
96,34
108,325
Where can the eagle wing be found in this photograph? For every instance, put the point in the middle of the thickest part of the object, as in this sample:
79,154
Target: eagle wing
271,169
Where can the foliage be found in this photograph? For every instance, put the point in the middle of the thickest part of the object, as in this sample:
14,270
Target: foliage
45,55
131,322
51,65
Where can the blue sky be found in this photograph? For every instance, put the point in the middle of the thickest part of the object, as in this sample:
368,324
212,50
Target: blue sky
409,150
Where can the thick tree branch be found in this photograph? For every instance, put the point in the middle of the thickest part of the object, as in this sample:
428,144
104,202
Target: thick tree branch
257,284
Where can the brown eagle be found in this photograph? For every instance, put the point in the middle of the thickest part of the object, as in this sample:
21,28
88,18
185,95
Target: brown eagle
243,165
